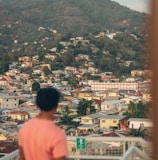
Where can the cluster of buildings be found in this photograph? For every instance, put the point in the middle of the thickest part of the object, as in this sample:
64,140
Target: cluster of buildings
109,95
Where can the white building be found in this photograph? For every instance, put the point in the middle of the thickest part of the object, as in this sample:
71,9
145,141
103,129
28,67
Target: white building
9,101
136,123
112,105
19,115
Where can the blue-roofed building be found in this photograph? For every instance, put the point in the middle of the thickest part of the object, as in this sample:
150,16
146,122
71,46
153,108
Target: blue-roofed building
4,112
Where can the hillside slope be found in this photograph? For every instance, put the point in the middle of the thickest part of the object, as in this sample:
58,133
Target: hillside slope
21,20
77,16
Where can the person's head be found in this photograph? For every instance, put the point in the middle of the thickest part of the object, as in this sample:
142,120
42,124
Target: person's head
47,99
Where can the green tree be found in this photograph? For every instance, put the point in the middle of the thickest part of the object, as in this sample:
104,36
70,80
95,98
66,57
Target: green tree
4,66
137,110
67,118
72,81
85,107
132,108
57,66
60,47
41,55
35,86
142,110
66,58
21,101
138,132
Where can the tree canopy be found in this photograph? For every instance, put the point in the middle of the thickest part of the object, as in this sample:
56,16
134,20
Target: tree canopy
85,107
137,110
35,86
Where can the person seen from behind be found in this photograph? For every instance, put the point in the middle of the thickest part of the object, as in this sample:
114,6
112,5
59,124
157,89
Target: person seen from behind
39,138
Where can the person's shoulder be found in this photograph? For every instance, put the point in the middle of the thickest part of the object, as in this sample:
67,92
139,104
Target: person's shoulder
27,123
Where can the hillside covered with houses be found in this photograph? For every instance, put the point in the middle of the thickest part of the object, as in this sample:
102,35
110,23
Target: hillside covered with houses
94,101
101,69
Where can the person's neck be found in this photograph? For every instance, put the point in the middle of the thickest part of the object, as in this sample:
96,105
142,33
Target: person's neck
46,115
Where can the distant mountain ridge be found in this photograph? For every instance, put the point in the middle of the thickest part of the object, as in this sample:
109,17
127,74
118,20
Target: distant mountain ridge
78,16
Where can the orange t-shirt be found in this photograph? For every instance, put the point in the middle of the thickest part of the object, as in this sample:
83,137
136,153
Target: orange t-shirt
42,140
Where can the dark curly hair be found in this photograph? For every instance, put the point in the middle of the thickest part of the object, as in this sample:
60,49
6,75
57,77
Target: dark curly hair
47,99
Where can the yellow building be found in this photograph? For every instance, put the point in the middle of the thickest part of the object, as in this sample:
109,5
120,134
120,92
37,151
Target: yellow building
81,95
137,73
146,73
111,121
2,137
90,122
146,96
89,98
90,119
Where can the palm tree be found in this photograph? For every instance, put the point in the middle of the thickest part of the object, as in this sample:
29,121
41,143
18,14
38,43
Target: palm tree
138,132
132,108
35,86
137,110
67,118
90,130
85,107
142,110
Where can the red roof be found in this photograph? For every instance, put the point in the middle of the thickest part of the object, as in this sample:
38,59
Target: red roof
19,112
97,101
3,79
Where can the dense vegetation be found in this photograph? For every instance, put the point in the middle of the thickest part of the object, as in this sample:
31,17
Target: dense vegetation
72,15
111,54
138,110
21,19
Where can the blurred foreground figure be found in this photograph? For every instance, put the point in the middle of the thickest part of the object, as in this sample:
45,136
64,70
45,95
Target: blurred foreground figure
39,138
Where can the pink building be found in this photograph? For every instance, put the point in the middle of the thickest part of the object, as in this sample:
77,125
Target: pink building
138,86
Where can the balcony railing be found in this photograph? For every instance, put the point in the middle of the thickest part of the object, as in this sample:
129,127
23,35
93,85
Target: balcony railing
103,148
12,156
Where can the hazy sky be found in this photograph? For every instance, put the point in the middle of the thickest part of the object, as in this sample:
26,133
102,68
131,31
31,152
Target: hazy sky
139,5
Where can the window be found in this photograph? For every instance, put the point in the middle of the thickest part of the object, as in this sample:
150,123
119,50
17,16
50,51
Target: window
85,120
103,121
114,121
108,106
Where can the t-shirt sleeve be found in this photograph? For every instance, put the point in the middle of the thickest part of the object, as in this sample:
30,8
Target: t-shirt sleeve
60,147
